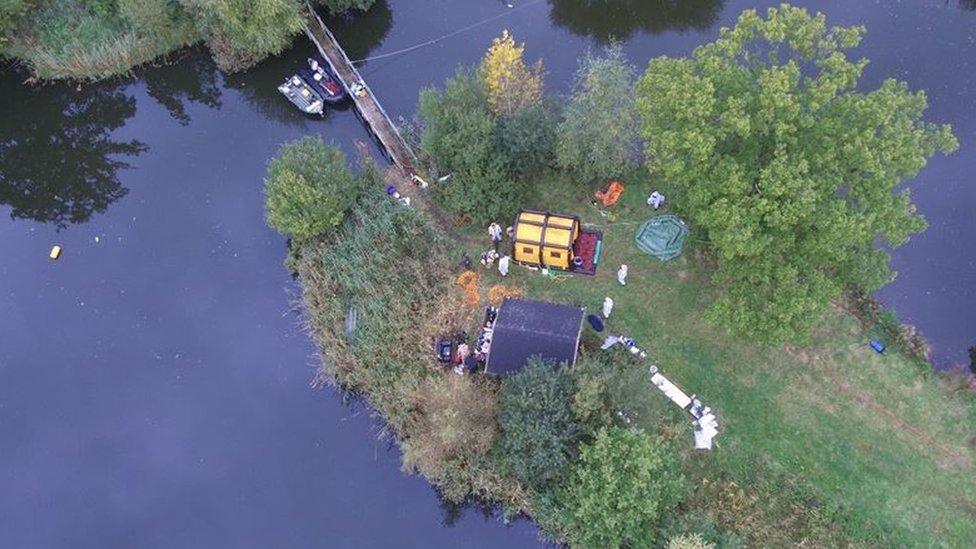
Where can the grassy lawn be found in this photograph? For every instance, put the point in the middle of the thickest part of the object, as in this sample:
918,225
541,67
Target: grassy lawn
886,450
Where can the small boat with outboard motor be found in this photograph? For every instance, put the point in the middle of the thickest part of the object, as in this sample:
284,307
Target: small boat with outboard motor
302,94
325,81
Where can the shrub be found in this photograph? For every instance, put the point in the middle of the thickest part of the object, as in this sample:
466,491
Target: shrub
512,86
539,433
104,8
460,135
527,139
371,265
454,423
242,32
309,188
72,41
151,16
620,488
610,390
598,135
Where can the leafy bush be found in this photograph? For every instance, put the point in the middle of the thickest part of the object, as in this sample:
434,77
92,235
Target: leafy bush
309,188
242,32
527,139
402,300
598,137
539,433
460,134
104,8
371,266
69,40
151,16
624,482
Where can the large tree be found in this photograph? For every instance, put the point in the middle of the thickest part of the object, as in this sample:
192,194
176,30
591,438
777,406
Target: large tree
789,169
620,488
462,136
512,85
539,432
598,135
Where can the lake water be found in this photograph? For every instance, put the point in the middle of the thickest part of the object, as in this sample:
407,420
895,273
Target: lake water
154,382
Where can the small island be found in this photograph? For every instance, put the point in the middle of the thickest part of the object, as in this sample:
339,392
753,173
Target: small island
789,178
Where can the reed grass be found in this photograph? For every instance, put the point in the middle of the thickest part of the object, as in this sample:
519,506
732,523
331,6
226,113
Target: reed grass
66,40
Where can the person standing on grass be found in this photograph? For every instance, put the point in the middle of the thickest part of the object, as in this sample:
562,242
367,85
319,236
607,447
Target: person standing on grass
503,264
495,232
656,200
622,275
607,307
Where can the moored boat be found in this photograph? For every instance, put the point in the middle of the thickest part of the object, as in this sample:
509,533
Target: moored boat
325,81
302,94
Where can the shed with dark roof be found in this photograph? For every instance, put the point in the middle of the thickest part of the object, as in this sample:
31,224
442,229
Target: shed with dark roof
525,328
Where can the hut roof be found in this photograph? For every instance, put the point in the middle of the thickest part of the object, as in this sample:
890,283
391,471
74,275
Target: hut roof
526,328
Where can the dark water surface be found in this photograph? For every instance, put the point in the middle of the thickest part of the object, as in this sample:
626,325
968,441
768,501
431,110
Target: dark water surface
154,381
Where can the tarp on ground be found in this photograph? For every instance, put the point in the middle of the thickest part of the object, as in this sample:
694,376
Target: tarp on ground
662,236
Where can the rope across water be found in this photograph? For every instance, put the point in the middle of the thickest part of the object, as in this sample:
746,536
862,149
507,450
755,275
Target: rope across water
448,35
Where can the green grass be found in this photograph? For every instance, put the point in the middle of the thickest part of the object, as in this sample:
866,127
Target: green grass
886,451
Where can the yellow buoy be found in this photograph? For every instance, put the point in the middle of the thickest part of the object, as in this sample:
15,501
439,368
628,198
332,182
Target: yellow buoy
55,252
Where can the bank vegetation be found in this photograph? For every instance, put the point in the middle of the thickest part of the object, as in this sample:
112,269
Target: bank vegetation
96,39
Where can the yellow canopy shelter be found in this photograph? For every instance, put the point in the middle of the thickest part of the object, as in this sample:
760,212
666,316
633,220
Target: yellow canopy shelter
545,239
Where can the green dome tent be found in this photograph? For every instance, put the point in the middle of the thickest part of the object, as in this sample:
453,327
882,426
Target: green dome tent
662,236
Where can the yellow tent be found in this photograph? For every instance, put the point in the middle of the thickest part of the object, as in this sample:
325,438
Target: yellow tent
545,239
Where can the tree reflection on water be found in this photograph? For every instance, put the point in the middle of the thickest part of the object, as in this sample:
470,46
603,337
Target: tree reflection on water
604,20
58,160
190,79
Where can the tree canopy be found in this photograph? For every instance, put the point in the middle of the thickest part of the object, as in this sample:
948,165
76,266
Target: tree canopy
484,152
511,84
242,32
623,483
309,188
539,432
792,173
598,135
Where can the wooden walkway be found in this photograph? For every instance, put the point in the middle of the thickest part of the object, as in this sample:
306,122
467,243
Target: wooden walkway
367,104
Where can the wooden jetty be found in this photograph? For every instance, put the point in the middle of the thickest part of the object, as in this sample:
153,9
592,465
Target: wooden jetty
368,106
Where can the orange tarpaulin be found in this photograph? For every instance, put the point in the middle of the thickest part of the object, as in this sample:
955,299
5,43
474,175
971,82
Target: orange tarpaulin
610,196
